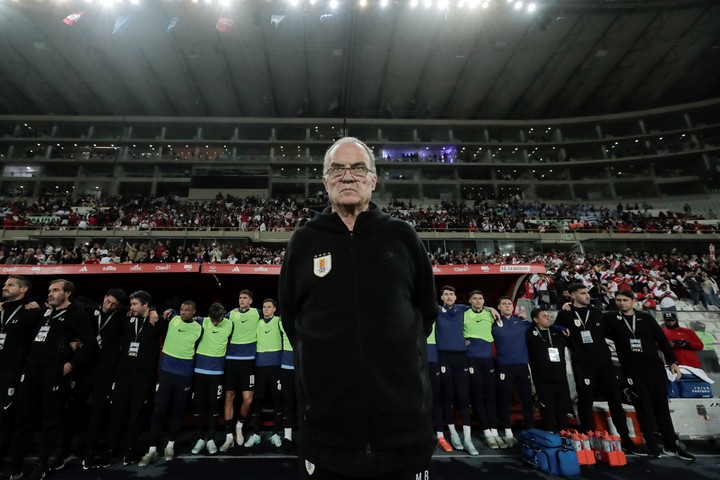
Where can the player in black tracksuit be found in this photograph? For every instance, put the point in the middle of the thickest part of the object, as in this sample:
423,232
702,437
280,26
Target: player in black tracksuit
593,369
44,386
107,322
17,327
638,340
546,353
135,375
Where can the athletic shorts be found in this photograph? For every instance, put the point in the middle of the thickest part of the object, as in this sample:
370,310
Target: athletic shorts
239,375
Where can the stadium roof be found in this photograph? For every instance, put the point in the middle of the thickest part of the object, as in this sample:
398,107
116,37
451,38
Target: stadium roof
302,58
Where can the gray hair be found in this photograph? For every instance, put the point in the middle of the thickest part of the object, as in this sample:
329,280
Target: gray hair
330,154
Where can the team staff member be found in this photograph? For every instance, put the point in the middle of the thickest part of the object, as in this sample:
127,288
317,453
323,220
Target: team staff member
208,378
477,329
106,321
267,372
637,338
439,413
287,391
512,366
685,342
357,298
174,380
45,383
546,354
240,367
17,327
135,375
453,364
593,369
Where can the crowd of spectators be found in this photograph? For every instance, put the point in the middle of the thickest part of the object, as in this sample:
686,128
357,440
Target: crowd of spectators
286,214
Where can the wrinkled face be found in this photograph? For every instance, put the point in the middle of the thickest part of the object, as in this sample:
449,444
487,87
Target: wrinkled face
269,309
349,190
477,301
110,304
244,301
12,290
56,295
505,307
187,312
448,297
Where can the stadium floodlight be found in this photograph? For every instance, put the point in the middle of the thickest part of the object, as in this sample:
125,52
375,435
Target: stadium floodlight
384,3
224,3
486,4
135,2
362,3
294,3
333,4
531,8
443,4
427,3
413,3
518,5
108,3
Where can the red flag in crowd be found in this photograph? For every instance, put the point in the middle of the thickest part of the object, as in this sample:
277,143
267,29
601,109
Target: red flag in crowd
224,23
73,18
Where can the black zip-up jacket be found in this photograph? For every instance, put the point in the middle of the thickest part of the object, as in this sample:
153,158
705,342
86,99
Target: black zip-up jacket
538,342
148,335
596,353
647,330
109,325
66,325
357,307
19,325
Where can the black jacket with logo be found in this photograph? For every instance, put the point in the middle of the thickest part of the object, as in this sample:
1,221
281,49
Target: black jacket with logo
19,325
66,325
357,307
596,353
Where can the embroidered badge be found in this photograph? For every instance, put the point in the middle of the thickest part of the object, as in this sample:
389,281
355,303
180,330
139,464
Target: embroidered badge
310,467
322,264
577,322
587,381
502,376
535,333
630,381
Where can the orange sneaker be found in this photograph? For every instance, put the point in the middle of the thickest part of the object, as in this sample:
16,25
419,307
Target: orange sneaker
444,445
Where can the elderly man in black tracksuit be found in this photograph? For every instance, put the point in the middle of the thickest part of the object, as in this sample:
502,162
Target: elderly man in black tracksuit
357,302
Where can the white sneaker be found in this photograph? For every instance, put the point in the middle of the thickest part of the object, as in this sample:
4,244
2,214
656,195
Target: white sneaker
253,440
239,439
229,443
455,440
470,447
211,447
501,443
491,442
169,453
199,445
510,441
148,459
276,440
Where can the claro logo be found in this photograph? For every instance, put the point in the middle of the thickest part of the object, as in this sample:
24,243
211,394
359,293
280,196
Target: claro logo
10,269
461,269
162,267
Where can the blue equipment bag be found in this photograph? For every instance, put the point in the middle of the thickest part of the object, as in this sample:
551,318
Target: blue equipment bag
689,386
549,452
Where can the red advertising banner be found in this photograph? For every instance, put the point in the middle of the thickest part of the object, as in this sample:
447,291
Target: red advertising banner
99,269
241,269
212,268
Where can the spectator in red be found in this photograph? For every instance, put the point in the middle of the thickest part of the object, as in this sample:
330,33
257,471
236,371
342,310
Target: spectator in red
684,341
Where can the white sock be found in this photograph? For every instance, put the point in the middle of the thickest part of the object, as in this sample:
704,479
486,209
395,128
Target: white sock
229,436
452,429
152,450
467,431
171,444
487,432
440,435
494,432
508,432
288,433
239,424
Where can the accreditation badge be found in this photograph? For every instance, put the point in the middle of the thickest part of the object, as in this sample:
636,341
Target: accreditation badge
322,264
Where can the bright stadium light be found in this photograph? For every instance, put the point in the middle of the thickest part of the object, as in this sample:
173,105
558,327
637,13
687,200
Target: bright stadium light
333,4
443,4
362,3
294,3
461,4
427,3
486,4
413,3
384,3
532,7
518,5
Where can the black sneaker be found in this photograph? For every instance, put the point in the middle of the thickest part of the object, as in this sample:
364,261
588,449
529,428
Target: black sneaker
641,450
16,476
680,452
288,447
38,473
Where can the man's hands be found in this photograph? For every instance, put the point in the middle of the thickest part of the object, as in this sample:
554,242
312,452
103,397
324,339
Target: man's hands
674,369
